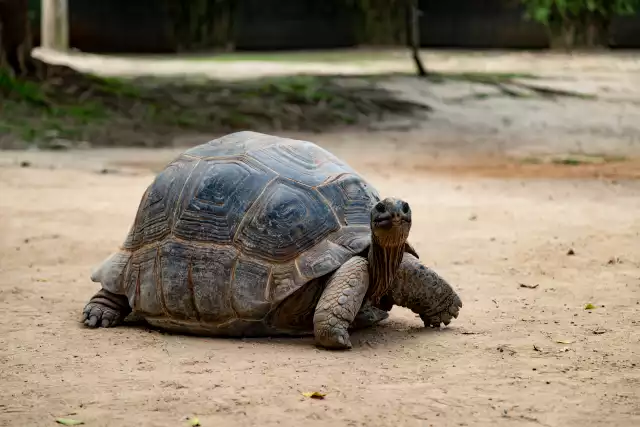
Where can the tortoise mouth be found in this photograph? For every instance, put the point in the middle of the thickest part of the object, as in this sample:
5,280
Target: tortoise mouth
385,223
388,223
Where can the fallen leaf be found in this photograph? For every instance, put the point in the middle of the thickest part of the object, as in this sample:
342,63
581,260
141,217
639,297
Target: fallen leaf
564,342
589,307
522,285
69,422
314,394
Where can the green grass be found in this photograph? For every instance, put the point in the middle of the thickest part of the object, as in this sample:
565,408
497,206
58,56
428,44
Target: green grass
30,112
570,161
586,159
155,109
24,90
575,159
31,124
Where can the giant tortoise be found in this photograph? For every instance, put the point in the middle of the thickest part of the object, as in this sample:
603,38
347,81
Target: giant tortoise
255,235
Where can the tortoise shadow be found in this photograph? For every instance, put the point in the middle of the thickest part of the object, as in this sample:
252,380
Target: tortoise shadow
388,334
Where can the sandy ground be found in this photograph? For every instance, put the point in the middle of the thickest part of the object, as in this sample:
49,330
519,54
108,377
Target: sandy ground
497,225
516,356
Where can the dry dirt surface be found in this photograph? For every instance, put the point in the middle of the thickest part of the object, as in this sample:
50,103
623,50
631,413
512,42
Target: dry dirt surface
525,251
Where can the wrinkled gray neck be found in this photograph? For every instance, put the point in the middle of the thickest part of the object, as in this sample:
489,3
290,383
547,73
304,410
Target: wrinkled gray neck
384,261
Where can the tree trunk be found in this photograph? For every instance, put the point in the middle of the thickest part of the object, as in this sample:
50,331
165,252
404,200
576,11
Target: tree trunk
414,25
381,22
587,31
202,24
15,45
596,31
563,36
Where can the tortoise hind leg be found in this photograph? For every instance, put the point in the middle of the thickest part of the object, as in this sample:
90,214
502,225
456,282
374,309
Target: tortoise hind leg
106,309
339,303
368,316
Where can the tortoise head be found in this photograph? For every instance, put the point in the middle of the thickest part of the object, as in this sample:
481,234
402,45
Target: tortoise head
391,222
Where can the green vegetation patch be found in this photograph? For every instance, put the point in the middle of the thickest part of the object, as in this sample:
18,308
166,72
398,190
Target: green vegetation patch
110,111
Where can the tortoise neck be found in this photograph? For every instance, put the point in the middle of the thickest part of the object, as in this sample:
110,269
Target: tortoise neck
384,260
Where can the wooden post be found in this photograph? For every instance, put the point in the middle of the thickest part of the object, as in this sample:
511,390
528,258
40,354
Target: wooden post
54,25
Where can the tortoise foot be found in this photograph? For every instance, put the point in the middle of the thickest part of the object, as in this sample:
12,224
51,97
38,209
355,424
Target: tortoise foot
450,311
105,310
334,340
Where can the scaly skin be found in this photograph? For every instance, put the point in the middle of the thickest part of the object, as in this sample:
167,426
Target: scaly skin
106,309
339,303
424,292
368,316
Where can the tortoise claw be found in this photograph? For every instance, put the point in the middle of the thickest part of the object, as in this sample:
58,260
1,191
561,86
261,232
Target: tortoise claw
450,312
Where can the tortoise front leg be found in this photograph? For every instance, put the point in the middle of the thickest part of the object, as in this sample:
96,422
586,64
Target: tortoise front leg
424,292
339,303
106,309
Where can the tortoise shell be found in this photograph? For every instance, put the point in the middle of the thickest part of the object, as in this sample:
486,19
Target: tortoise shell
234,226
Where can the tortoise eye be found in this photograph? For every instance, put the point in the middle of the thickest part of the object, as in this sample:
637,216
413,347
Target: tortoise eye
405,207
380,207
